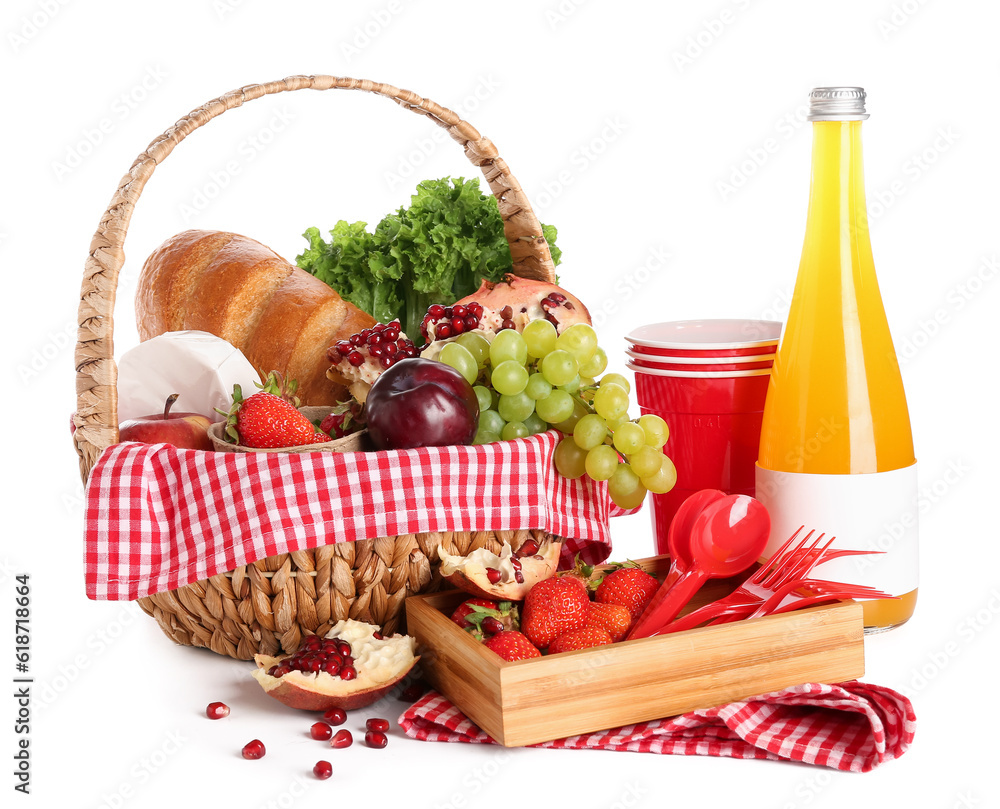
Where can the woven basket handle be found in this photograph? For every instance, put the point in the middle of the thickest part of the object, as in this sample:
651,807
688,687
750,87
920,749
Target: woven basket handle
96,418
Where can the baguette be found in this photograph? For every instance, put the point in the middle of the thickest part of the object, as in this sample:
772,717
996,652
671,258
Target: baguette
281,317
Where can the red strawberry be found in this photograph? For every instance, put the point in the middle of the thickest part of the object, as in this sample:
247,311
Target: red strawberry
269,419
512,645
482,617
631,587
552,608
580,639
613,618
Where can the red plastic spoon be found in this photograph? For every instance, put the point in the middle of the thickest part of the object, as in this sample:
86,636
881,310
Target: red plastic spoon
679,533
727,537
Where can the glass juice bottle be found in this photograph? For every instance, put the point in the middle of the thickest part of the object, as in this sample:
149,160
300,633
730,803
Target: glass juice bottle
836,451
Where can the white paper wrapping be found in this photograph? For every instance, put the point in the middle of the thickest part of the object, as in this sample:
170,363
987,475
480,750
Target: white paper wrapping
199,366
875,511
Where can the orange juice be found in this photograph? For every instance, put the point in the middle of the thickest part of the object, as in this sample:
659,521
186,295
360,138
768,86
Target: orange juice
835,403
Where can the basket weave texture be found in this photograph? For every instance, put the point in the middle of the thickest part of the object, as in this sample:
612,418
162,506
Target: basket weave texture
266,607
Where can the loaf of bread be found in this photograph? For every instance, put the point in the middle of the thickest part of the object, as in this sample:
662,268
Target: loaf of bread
282,318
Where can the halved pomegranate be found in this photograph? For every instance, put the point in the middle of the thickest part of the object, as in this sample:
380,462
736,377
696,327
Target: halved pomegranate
506,576
331,676
513,301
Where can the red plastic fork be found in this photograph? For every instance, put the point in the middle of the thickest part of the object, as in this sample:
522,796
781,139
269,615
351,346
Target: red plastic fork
814,591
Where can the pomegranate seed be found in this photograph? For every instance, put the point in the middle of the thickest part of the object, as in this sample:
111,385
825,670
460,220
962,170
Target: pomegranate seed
518,576
411,351
341,739
314,666
336,716
507,324
458,325
281,670
476,308
375,339
365,334
217,710
355,340
435,310
343,647
458,310
555,297
331,666
347,660
528,548
471,322
379,327
378,635
374,738
491,625
444,331
321,731
344,347
322,770
506,313
348,673
356,358
376,350
448,311
493,575
412,692
390,335
253,750
387,362
271,671
552,319
381,725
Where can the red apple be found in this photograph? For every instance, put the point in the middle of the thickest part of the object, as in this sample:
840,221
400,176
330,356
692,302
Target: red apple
183,430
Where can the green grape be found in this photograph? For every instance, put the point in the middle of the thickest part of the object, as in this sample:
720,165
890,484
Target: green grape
508,345
572,386
618,421
590,431
587,381
514,429
485,437
567,425
509,377
646,461
570,459
629,438
601,462
559,367
616,379
535,425
485,397
540,337
516,407
655,430
491,421
625,488
555,407
580,340
537,387
610,401
664,479
477,345
459,358
595,365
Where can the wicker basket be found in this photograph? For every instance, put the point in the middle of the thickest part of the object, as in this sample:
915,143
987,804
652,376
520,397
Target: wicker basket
266,607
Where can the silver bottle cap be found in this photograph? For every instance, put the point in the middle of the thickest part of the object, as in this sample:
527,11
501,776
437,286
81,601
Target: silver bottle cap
837,104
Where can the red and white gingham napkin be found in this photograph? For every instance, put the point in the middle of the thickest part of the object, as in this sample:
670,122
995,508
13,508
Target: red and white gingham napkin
850,726
158,517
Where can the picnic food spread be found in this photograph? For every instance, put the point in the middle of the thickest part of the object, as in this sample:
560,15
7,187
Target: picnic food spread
435,357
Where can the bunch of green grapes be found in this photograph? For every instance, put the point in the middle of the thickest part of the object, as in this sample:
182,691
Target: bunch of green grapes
528,382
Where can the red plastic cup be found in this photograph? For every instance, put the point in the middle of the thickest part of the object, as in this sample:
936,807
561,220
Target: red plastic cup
707,338
714,420
754,362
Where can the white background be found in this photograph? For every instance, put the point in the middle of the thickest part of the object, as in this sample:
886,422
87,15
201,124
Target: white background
641,130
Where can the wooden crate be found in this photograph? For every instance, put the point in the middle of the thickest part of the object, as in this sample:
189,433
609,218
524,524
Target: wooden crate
531,701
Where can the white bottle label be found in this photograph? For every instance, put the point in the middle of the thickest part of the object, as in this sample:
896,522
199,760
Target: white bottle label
872,512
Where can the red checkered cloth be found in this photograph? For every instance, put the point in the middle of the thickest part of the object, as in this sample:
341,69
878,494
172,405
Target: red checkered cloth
158,517
850,726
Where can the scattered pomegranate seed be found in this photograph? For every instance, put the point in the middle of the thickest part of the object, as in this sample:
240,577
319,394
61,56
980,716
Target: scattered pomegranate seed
380,725
335,716
528,548
374,738
217,710
491,625
322,770
321,731
493,574
253,750
341,739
